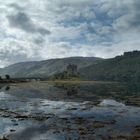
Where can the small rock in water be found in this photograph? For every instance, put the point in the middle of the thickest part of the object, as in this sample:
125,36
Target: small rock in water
12,130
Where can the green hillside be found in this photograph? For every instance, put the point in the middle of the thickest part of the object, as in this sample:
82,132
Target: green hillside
120,68
46,68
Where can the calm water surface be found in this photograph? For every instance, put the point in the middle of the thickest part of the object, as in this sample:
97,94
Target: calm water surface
66,111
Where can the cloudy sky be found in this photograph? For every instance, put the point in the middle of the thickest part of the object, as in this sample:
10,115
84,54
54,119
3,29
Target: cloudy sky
44,29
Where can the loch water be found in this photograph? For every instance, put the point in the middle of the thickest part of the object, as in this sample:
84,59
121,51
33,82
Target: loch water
70,111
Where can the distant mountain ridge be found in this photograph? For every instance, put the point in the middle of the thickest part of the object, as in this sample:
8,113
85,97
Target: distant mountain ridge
46,68
121,68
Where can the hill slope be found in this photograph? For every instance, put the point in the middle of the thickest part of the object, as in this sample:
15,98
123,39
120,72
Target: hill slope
46,68
120,68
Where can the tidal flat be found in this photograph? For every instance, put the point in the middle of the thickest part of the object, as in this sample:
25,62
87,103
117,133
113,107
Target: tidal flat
70,111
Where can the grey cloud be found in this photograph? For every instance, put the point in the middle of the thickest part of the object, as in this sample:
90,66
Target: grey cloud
39,40
16,6
43,31
135,20
71,10
78,28
14,51
10,56
23,21
127,23
125,14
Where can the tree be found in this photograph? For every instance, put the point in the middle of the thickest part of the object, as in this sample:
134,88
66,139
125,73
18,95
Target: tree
0,78
7,77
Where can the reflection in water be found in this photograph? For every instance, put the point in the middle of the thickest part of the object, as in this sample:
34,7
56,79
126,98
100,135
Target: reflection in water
72,91
123,92
7,88
1,86
36,111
